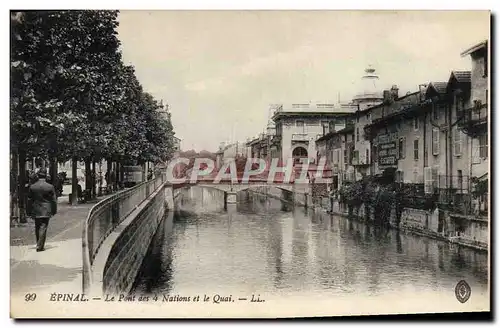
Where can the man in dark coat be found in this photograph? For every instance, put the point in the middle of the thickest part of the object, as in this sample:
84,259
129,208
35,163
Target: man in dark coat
43,205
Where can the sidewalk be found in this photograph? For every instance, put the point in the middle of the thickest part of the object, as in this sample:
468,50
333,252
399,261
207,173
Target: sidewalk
58,269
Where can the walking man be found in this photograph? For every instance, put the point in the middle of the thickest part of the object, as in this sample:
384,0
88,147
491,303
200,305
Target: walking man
43,205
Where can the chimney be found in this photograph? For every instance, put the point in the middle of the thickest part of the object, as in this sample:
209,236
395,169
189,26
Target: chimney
394,92
387,95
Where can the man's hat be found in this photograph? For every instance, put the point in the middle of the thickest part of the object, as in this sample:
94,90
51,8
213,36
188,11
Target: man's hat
42,173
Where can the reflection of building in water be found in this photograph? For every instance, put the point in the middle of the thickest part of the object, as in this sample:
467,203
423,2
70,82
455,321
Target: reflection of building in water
275,249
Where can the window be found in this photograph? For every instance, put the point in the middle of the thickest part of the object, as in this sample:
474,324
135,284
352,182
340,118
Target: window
400,176
355,157
459,107
460,180
415,150
483,146
428,180
325,130
367,155
435,141
457,143
331,126
325,126
346,159
435,112
402,147
357,134
435,177
374,154
415,123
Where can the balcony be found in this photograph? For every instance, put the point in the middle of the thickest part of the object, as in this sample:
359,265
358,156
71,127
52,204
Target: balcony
300,137
474,120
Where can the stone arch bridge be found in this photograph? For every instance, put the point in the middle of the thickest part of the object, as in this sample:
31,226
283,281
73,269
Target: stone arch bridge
228,190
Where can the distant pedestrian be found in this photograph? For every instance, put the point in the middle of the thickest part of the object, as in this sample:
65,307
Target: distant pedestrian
150,174
331,195
42,206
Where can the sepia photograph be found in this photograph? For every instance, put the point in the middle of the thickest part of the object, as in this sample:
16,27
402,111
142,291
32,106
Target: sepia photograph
249,163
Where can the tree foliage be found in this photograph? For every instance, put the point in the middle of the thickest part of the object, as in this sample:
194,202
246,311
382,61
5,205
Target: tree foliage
72,96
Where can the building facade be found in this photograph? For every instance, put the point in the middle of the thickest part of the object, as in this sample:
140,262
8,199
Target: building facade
299,126
177,144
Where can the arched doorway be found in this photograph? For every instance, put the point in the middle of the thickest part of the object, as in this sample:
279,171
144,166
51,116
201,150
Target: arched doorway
298,153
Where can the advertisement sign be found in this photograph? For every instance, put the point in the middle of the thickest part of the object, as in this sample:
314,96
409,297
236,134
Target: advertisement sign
388,149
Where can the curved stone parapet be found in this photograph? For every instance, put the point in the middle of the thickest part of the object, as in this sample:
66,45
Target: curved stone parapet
113,267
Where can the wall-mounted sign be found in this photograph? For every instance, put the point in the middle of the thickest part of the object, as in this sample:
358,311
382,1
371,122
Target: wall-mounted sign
388,149
388,161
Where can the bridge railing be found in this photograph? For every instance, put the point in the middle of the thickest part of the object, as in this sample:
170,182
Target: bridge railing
106,215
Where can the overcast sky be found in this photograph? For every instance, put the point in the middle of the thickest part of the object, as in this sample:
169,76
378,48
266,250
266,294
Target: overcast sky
219,71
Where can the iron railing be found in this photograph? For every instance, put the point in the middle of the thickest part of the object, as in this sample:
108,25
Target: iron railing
106,215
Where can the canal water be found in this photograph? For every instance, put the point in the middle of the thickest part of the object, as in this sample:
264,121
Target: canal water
268,249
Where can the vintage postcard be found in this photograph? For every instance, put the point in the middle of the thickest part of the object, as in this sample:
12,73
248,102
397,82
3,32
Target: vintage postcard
249,164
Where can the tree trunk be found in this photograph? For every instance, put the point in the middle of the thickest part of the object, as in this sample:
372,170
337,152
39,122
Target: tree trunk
109,164
74,181
118,175
53,170
21,186
88,174
94,180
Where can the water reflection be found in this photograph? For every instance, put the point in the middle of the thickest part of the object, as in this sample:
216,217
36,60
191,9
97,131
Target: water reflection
265,245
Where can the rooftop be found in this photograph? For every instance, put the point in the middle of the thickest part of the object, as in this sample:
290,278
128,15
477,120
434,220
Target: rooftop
479,46
348,129
440,87
461,76
311,108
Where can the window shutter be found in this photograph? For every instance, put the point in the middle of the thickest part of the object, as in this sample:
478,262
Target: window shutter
434,177
435,141
402,147
415,149
457,143
427,180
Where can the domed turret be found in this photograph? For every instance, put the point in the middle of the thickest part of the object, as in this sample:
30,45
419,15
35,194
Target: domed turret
369,89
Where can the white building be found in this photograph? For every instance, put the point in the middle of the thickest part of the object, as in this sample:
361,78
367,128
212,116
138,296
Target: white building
298,126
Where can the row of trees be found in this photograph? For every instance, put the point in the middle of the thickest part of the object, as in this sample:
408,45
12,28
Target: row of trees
73,98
